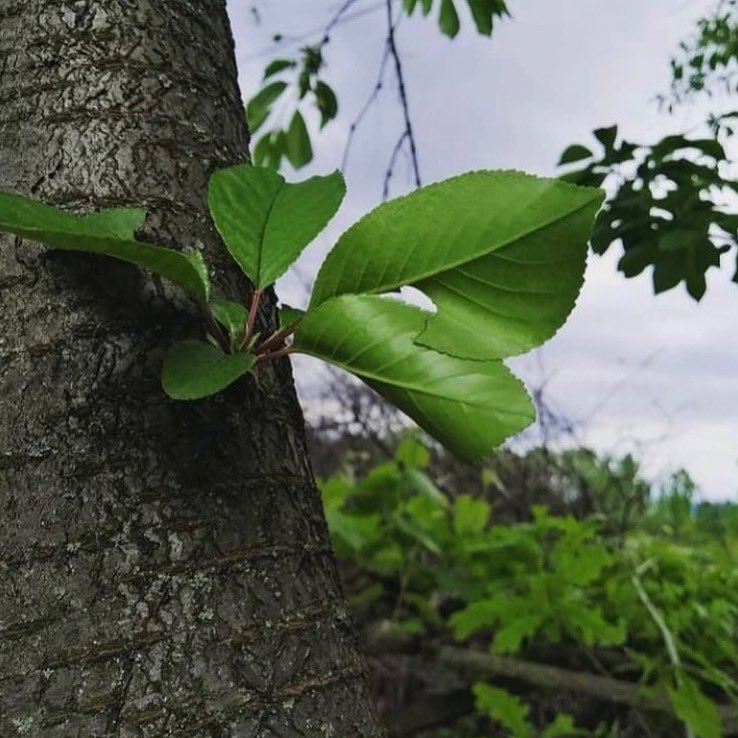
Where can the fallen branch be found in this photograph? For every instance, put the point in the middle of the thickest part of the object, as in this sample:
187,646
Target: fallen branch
472,665
477,664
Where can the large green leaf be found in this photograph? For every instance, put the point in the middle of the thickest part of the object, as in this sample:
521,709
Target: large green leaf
501,254
109,232
469,406
194,369
265,221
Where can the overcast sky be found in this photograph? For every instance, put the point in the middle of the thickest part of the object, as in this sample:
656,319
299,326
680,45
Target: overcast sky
658,375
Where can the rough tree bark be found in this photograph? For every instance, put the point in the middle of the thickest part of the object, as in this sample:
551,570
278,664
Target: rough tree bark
164,568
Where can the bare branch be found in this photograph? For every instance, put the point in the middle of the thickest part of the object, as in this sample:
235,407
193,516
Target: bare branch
391,166
399,71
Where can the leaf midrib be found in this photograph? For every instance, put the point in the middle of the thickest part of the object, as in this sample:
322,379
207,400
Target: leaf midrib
409,386
454,265
262,235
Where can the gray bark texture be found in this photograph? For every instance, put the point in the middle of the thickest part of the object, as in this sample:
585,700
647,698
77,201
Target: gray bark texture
165,568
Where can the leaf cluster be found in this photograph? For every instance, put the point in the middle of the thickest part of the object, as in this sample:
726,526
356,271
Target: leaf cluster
707,62
501,254
670,209
289,87
483,13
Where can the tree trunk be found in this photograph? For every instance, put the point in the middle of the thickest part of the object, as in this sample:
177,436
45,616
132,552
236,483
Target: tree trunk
165,568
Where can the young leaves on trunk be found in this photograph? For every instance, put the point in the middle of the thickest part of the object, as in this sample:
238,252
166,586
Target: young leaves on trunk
500,254
110,232
266,222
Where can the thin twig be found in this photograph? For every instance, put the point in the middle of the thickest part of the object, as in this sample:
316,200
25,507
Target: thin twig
295,40
661,625
253,312
345,7
391,166
392,43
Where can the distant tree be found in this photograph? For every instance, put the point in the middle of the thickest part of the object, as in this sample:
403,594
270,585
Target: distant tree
673,203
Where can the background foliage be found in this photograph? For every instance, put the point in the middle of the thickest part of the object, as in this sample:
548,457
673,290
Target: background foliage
635,586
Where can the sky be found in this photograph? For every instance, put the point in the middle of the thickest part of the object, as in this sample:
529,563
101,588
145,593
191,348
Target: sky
636,373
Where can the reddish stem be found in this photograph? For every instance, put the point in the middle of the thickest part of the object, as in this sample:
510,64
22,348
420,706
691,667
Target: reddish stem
253,312
286,351
277,339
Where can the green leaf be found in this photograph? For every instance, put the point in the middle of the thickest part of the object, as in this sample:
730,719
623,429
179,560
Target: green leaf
299,148
420,483
575,152
289,316
278,65
262,152
501,254
415,526
266,222
695,709
589,623
410,626
303,83
448,20
505,708
607,136
482,15
409,6
260,105
412,453
194,369
425,6
509,638
696,285
119,222
667,272
469,406
471,515
231,315
197,260
563,727
353,531
484,11
326,101
109,232
478,615
271,153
